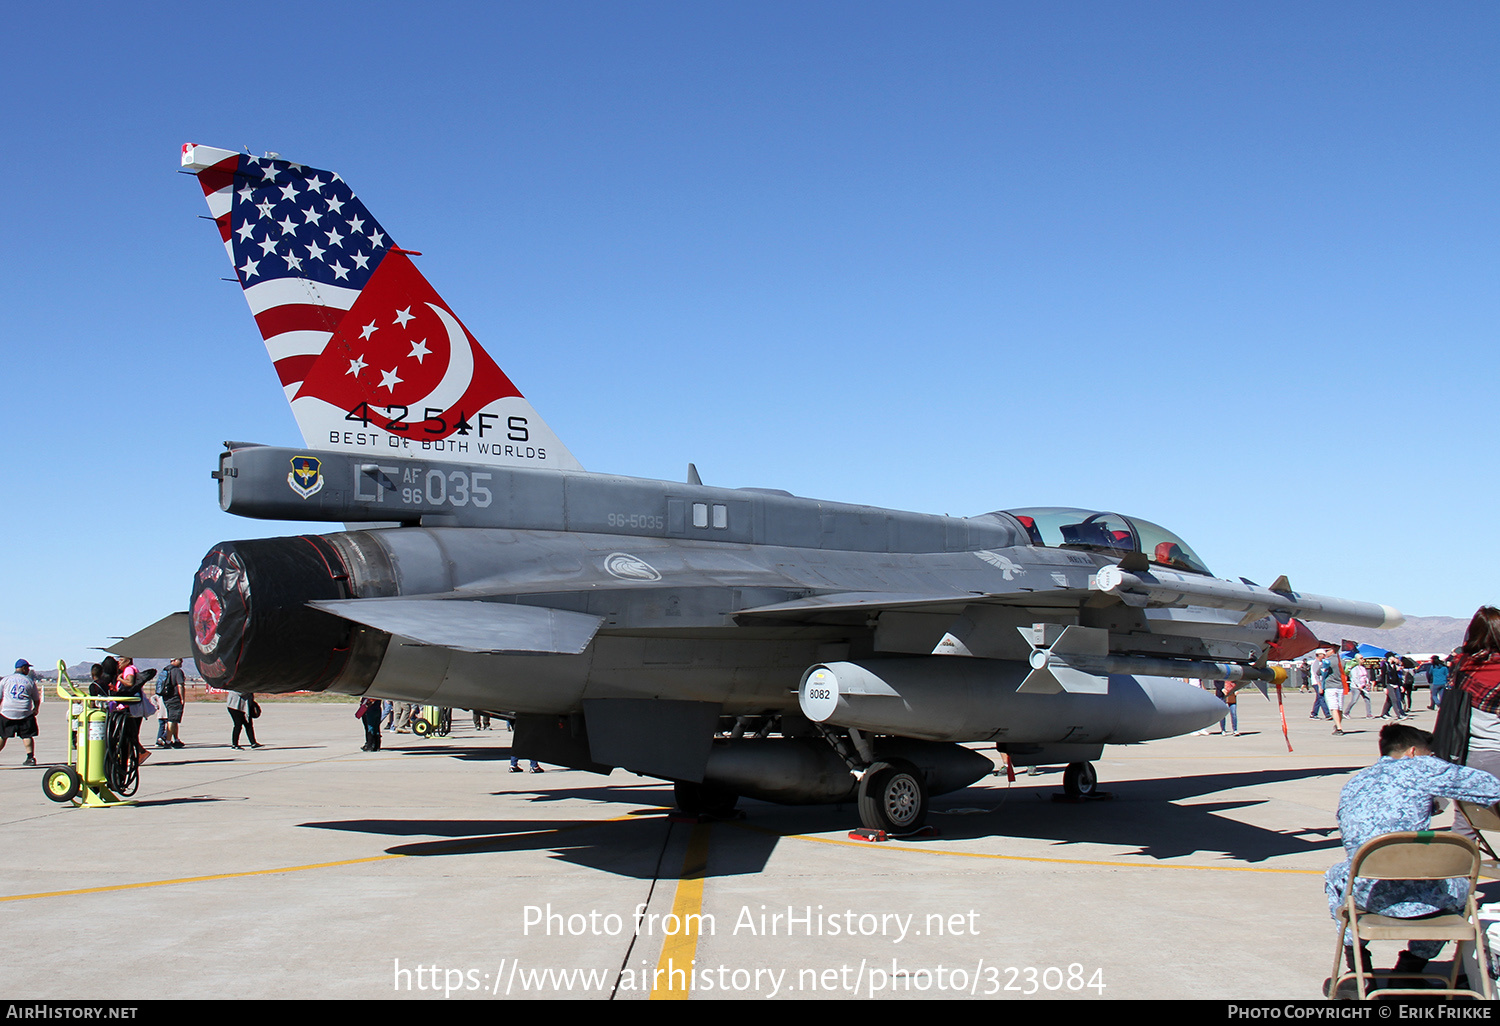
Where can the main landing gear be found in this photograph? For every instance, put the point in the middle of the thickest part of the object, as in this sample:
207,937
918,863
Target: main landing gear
892,792
893,797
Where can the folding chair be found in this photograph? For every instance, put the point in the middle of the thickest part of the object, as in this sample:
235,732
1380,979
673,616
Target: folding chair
1482,818
1412,855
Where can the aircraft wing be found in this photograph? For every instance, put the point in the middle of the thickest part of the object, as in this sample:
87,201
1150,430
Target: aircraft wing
845,602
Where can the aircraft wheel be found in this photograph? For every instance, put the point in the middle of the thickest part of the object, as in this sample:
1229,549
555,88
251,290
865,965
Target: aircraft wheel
893,797
61,784
1080,780
704,799
420,727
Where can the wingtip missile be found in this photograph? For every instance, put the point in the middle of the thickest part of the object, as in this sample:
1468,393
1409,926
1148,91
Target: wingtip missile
1167,587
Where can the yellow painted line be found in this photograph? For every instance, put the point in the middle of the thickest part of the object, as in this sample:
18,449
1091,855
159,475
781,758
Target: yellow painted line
674,969
286,869
197,879
887,846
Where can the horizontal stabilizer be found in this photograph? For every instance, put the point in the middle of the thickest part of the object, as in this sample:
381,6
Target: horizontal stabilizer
472,626
168,638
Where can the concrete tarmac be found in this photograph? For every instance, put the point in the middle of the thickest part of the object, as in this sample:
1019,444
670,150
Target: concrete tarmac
309,869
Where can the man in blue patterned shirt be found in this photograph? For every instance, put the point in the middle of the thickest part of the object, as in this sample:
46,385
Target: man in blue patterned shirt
1393,795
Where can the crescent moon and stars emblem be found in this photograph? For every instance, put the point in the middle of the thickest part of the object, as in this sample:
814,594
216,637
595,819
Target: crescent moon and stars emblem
404,361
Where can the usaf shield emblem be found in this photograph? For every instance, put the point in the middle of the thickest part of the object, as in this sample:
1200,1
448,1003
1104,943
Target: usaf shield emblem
306,477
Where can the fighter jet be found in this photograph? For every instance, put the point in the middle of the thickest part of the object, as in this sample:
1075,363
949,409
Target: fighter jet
734,641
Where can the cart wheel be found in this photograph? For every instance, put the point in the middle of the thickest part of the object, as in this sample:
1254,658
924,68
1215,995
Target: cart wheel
420,727
61,784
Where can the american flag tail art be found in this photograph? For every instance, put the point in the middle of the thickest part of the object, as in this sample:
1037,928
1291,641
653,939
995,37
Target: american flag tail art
370,357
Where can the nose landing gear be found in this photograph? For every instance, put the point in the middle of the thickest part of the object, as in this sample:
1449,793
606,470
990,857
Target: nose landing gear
1080,780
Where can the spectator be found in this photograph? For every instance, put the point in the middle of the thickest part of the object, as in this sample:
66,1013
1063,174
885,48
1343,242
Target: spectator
19,700
1475,683
241,712
169,688
1396,794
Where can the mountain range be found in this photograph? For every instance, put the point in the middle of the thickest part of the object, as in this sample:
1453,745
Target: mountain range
1424,634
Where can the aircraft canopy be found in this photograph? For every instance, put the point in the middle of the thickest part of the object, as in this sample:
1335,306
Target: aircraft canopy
1110,533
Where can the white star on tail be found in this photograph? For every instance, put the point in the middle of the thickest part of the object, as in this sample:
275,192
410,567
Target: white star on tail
402,316
419,350
356,365
388,380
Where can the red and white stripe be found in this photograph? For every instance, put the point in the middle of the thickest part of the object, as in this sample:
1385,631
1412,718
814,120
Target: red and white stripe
296,316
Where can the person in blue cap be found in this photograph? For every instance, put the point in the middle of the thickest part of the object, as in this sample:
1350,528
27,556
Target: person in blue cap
20,698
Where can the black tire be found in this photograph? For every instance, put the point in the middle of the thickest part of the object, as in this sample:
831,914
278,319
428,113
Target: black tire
704,799
893,797
131,781
1080,780
61,784
420,727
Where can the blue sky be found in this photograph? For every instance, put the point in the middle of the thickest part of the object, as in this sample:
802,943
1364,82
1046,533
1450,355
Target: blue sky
1230,267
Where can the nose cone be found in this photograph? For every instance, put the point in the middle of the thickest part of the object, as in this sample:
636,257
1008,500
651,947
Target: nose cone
252,630
1179,708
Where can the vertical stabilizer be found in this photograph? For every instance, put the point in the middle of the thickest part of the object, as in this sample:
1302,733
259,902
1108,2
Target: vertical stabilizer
370,357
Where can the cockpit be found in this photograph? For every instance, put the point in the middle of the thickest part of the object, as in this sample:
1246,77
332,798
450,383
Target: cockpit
1107,533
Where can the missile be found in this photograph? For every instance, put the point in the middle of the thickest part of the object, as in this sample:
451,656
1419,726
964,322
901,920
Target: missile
1046,665
1169,588
1078,660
